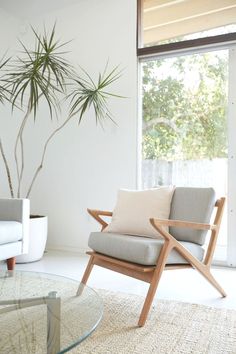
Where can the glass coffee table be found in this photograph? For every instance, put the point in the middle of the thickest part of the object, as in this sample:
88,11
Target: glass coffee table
42,313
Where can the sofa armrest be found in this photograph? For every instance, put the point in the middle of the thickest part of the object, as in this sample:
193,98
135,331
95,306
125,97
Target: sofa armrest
17,210
14,209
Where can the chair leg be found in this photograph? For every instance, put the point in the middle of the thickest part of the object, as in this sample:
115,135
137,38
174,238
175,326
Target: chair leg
208,276
154,283
202,268
149,299
11,263
88,270
86,275
206,273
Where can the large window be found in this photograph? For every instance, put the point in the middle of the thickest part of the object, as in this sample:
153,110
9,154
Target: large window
188,103
184,129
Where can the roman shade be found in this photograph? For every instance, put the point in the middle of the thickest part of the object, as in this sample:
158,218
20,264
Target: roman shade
166,19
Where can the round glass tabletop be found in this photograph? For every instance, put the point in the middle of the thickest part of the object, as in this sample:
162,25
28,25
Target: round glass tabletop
43,313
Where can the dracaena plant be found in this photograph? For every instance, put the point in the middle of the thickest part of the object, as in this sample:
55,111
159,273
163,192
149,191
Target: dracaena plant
44,75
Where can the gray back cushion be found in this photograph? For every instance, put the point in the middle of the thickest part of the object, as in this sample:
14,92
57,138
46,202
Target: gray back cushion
191,204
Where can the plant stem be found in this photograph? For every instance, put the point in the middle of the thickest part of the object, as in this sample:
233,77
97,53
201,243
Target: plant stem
19,137
7,170
39,168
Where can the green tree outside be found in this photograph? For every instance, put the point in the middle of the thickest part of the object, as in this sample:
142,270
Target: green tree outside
184,107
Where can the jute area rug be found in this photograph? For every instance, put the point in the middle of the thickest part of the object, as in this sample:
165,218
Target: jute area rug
172,328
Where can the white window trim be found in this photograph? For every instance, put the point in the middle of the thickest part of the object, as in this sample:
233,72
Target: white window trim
231,241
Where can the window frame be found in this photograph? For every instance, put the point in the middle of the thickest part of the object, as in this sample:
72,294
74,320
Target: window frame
185,47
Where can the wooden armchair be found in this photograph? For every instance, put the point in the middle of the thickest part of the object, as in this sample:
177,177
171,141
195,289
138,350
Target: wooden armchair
145,259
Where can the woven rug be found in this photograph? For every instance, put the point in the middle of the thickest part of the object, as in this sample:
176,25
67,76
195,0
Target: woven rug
171,328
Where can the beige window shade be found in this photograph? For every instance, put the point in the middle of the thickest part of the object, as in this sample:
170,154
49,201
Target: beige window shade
166,19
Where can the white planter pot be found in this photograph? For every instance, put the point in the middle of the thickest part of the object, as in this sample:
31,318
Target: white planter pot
38,230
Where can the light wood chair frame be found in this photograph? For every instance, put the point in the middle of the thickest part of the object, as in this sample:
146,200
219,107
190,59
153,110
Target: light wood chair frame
152,274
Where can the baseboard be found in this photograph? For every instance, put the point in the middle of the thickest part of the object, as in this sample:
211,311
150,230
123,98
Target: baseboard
76,250
82,252
223,264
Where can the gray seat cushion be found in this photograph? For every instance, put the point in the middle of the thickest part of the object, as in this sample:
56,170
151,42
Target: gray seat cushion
191,204
10,231
141,250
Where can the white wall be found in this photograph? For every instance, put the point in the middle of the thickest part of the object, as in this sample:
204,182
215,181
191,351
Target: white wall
85,165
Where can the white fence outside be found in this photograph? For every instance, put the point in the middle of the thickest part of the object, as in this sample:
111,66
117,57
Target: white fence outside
191,173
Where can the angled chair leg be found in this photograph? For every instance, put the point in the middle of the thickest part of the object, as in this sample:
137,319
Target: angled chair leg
208,276
150,296
11,263
202,268
88,270
86,275
154,283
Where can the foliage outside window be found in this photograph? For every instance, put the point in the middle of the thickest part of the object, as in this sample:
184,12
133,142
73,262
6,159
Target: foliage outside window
184,107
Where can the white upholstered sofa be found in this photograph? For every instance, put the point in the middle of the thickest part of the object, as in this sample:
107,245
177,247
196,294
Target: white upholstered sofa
14,229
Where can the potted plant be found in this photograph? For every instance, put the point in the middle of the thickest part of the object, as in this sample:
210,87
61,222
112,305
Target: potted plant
38,75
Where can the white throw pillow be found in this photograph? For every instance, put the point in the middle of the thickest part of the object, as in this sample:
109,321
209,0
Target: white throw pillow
134,209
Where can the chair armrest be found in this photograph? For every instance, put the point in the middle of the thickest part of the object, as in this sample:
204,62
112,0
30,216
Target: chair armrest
96,215
184,224
172,243
17,210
